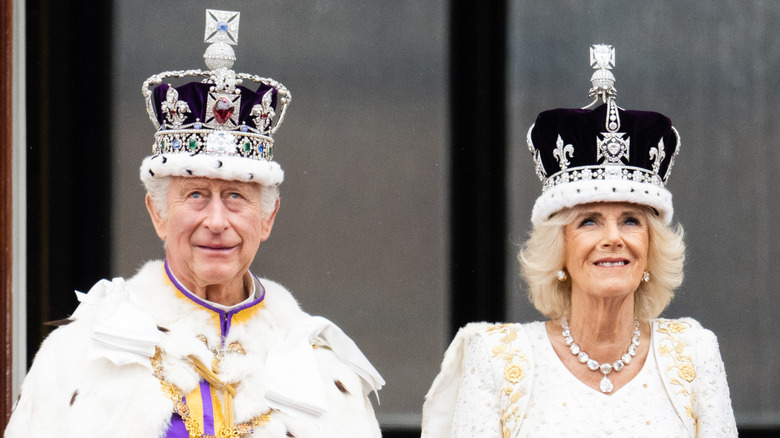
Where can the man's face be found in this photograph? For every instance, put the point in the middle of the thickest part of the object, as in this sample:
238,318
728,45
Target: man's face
212,229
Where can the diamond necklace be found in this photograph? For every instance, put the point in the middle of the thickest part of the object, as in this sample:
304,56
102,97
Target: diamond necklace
606,385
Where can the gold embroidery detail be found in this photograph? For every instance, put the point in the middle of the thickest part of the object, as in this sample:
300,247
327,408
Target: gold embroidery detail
687,372
510,336
682,364
513,373
677,327
515,364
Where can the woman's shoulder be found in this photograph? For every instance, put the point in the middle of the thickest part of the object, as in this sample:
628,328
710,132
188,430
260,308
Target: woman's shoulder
683,329
497,328
683,346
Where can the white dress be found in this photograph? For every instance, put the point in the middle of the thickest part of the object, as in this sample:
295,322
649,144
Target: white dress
507,381
561,405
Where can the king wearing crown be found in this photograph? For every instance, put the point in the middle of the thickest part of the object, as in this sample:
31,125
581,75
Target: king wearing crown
196,345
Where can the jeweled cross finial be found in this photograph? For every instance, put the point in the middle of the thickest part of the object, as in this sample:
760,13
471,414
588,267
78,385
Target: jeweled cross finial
221,32
221,26
602,56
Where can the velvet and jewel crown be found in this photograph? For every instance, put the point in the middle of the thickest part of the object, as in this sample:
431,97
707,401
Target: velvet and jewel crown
215,127
605,154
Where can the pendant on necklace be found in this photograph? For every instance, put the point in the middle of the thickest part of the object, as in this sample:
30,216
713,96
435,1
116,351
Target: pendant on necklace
606,385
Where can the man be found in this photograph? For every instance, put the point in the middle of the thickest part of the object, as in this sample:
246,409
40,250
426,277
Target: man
195,345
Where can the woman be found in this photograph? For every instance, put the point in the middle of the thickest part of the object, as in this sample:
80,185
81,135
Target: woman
196,345
601,263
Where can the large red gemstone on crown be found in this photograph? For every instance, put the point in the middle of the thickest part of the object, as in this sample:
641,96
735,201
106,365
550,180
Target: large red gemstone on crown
223,109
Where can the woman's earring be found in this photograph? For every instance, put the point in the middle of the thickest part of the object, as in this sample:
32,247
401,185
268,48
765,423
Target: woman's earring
561,275
646,277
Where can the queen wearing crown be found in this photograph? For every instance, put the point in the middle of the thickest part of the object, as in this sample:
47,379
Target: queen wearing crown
601,263
196,345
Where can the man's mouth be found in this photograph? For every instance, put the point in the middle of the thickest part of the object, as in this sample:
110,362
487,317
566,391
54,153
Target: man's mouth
216,247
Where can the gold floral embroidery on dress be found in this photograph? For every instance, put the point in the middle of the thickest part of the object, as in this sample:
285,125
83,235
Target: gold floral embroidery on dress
515,365
680,371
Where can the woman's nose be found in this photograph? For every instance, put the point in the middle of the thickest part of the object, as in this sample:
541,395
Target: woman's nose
612,236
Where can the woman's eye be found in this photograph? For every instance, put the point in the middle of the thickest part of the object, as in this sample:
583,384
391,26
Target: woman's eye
588,221
631,221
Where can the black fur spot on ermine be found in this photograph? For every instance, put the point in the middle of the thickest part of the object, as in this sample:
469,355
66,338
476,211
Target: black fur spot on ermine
73,397
341,386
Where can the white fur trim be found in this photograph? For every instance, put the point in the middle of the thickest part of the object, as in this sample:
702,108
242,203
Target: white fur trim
65,389
231,168
609,190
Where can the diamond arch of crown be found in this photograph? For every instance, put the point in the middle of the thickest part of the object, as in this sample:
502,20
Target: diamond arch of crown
146,89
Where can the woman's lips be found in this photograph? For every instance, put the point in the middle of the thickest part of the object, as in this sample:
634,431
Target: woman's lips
611,263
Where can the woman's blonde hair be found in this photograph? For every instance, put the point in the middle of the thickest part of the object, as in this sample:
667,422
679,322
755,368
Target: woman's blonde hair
543,256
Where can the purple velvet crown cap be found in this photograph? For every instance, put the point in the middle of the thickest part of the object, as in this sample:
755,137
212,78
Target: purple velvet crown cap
581,128
579,164
196,96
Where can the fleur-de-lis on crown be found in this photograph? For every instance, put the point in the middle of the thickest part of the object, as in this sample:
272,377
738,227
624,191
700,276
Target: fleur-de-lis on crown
561,151
264,113
175,110
657,155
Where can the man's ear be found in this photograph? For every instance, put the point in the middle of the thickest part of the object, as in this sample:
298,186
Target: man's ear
268,223
157,220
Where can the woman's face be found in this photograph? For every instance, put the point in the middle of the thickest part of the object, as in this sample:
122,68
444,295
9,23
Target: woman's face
606,249
212,229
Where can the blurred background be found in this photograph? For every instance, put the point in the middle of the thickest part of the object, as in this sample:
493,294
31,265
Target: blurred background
408,183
